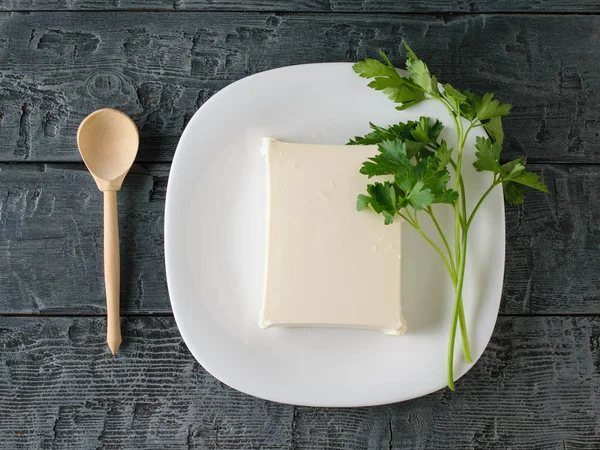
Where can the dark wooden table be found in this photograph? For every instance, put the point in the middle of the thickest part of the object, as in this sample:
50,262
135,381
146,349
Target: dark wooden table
537,386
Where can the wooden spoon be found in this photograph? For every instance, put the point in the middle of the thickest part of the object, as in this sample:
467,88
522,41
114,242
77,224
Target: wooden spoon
108,142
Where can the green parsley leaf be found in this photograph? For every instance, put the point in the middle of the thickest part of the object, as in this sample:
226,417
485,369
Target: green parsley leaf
436,180
425,175
427,130
397,91
514,193
454,97
435,89
362,202
531,180
383,200
383,56
371,68
409,103
379,134
512,168
405,179
409,52
488,107
444,155
416,149
391,158
394,151
469,106
514,177
419,137
514,171
389,218
419,197
449,196
494,129
378,166
419,72
387,196
488,155
386,78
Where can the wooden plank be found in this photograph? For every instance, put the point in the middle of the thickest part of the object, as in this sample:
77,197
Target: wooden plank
56,68
552,245
374,6
51,247
62,390
518,396
51,240
536,386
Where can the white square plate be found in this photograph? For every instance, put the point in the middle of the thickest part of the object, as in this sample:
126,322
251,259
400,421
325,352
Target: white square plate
215,249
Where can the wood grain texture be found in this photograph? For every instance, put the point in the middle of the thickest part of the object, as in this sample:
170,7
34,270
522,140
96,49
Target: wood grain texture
553,245
158,68
370,6
51,242
535,387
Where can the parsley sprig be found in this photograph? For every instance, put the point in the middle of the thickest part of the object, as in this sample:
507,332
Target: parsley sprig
420,164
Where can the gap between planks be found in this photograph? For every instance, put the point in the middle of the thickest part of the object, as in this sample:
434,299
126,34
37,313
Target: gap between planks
170,314
305,12
541,162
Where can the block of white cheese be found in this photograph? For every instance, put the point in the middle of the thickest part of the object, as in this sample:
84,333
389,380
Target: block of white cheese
328,265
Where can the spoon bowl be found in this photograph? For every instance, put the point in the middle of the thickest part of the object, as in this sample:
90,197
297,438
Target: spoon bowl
108,141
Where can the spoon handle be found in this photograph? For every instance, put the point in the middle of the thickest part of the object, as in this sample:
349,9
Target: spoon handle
112,270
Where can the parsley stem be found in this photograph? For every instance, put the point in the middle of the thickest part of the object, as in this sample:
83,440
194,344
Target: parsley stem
429,211
456,311
461,144
414,222
473,125
494,184
462,189
457,169
452,272
462,184
445,102
406,218
460,221
463,332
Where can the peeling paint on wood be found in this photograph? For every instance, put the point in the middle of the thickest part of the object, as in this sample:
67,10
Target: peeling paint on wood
51,242
553,245
159,68
535,386
370,6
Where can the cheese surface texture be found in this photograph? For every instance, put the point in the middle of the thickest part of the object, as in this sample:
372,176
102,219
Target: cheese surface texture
327,263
